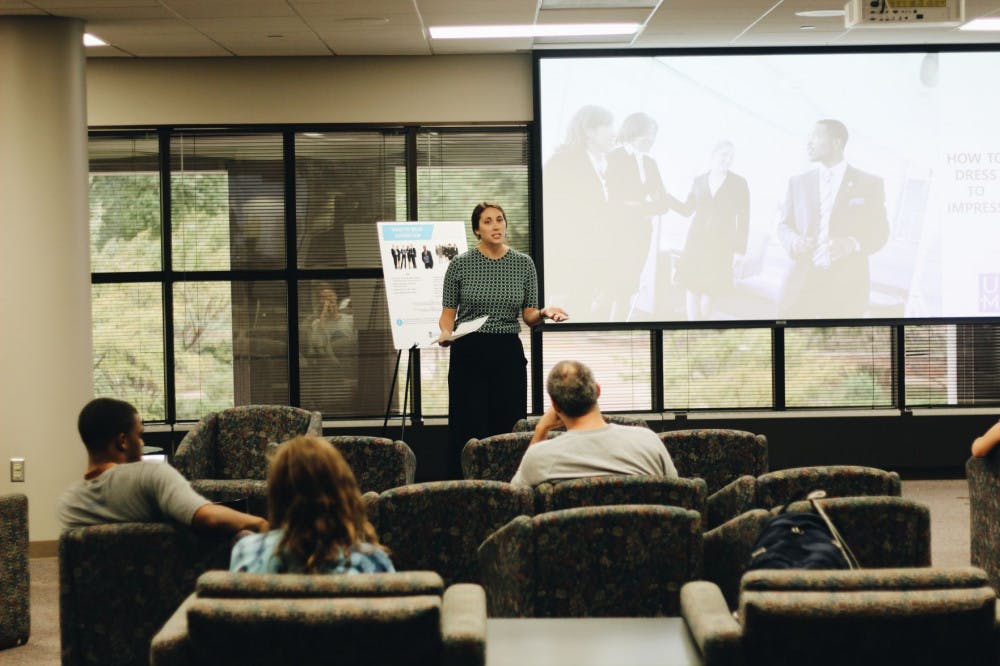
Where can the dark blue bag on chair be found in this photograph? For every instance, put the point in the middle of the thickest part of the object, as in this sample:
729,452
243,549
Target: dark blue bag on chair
801,541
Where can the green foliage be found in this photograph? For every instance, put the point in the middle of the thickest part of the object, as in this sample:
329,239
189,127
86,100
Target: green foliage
128,318
200,221
130,203
124,222
203,348
717,369
128,345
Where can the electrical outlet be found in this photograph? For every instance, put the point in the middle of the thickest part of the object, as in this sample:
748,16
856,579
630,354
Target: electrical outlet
17,469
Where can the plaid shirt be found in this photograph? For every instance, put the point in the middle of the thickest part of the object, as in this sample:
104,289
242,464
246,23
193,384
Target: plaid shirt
257,553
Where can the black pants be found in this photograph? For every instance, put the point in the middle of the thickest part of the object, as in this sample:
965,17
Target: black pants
487,390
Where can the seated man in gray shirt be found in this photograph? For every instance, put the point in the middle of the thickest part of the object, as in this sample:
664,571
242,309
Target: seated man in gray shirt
119,487
590,446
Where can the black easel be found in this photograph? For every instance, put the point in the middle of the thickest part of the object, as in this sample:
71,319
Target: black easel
412,351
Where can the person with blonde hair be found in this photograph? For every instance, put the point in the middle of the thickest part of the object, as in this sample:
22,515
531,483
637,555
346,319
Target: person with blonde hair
319,518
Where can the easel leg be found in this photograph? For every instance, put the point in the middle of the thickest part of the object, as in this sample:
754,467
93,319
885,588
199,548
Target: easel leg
392,389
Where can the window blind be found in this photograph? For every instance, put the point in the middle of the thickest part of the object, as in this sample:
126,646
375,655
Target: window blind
839,366
124,204
345,183
227,202
717,369
128,345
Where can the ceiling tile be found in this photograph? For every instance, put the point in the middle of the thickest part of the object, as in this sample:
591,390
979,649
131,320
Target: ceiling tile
374,41
349,8
60,6
255,24
456,46
303,43
593,16
138,12
140,28
171,46
220,9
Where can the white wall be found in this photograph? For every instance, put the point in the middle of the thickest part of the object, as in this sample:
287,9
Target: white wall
45,329
428,89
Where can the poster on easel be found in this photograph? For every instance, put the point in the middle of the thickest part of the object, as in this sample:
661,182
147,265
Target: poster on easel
415,256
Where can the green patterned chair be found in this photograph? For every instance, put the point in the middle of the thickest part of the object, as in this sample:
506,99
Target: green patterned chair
362,619
984,513
494,458
868,617
728,460
225,454
378,463
119,583
438,526
609,490
528,424
15,611
788,485
604,561
883,532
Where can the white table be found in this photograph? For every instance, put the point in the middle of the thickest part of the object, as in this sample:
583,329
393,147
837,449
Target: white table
634,641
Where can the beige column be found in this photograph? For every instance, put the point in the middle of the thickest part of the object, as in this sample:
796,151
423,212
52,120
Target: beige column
45,333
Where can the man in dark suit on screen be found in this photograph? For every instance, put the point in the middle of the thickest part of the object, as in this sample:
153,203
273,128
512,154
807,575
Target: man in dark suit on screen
833,218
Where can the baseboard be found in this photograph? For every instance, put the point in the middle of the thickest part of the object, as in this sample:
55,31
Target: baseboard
43,549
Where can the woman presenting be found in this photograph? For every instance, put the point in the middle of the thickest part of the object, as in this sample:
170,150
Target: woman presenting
487,373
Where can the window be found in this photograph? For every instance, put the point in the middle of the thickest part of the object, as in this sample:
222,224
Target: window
455,171
717,369
252,275
840,366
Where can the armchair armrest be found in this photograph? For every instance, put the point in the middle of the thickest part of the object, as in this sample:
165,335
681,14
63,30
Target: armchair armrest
171,645
195,457
727,551
463,625
715,631
733,499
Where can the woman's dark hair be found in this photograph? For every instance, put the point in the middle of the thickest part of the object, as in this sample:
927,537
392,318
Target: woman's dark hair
478,211
312,495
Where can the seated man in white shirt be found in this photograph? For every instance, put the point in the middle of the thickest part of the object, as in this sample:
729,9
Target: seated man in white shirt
590,446
119,486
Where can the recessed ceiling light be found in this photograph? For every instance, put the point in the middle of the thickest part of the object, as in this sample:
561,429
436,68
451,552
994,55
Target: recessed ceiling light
93,40
540,30
821,13
807,27
983,24
313,135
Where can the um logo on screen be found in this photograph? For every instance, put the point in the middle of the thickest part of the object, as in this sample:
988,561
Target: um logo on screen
989,292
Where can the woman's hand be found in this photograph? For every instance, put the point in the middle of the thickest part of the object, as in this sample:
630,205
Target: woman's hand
553,313
443,338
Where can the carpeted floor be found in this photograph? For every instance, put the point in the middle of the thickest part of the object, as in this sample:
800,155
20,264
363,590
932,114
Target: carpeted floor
948,501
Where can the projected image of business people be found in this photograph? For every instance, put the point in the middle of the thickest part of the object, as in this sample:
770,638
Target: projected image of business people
760,187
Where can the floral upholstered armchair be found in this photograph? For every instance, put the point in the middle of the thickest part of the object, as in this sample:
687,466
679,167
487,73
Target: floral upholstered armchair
863,618
363,619
378,463
882,532
605,561
728,460
224,455
15,616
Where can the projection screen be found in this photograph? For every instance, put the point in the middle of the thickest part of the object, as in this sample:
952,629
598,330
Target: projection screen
757,186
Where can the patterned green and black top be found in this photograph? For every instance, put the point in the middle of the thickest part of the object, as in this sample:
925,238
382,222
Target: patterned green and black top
501,288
